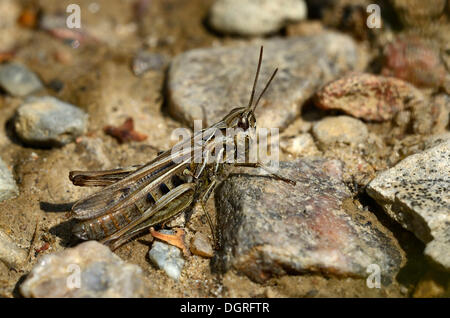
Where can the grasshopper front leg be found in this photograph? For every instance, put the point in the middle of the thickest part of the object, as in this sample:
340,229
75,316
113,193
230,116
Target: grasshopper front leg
267,169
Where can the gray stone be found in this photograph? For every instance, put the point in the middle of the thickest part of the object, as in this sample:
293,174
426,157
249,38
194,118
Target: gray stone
8,186
416,194
269,228
340,129
208,83
167,257
88,270
47,121
255,17
11,254
18,80
147,61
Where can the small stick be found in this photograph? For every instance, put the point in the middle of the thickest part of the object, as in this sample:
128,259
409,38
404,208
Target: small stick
34,238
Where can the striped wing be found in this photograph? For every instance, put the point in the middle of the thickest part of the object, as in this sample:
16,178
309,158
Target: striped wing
100,178
131,186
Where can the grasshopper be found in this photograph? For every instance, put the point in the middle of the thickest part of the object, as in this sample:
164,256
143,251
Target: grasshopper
137,198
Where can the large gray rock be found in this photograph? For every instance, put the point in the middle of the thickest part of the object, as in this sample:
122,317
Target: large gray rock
255,17
8,186
416,194
88,270
208,83
18,80
268,227
47,121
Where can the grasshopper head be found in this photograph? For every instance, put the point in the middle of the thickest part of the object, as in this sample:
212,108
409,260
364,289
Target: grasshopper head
244,117
241,117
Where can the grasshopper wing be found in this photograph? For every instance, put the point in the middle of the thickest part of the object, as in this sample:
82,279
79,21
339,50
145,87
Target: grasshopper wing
100,178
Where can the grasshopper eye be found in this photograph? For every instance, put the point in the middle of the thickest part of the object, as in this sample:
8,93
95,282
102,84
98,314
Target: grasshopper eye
243,123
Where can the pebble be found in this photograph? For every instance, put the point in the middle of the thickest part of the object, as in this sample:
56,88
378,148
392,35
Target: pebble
340,129
208,83
416,194
87,270
271,228
18,80
167,257
301,145
148,61
11,254
201,246
47,121
367,96
8,186
255,17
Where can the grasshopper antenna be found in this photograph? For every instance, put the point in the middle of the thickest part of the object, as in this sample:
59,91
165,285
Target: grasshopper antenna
265,88
256,77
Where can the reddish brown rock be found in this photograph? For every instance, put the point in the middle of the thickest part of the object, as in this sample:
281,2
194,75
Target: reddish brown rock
368,96
416,61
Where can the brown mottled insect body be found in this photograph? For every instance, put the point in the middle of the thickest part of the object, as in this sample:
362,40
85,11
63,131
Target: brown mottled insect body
136,198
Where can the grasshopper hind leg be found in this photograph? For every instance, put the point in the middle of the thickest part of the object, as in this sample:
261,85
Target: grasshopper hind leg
203,201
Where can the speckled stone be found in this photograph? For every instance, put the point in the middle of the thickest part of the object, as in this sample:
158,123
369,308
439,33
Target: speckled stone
47,121
18,80
11,254
340,129
416,194
270,228
101,274
255,17
8,186
367,96
167,257
208,83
